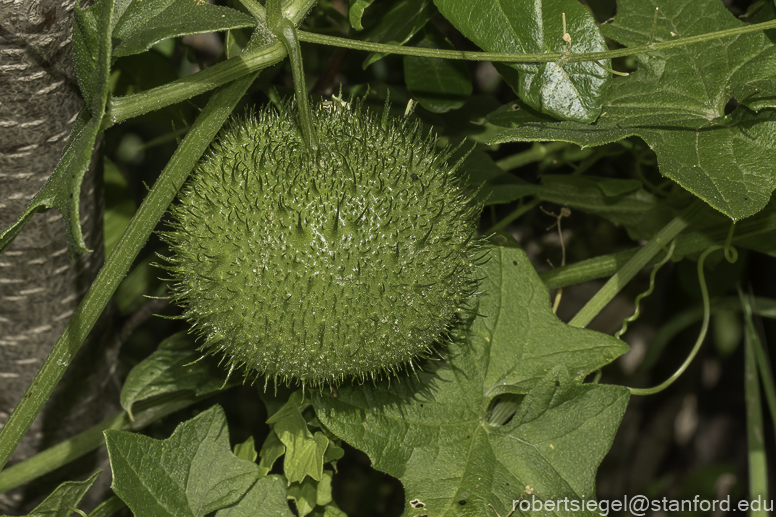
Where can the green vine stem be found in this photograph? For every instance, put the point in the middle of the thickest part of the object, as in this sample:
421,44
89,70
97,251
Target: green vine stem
285,30
251,60
748,305
77,446
559,57
536,153
687,243
521,210
123,108
731,256
209,122
120,109
643,257
764,307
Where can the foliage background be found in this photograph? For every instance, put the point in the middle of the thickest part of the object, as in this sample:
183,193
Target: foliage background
688,440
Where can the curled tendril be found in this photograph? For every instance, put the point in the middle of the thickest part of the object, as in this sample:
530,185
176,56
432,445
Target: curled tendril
731,255
646,293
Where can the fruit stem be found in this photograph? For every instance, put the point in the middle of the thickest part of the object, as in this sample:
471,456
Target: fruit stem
285,31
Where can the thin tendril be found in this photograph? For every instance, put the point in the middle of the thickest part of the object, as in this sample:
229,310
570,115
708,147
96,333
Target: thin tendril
646,293
730,253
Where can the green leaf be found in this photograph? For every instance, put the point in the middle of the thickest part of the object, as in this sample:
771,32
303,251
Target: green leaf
140,24
623,202
332,510
309,493
433,430
304,450
676,103
272,449
400,22
323,493
439,85
246,450
334,452
192,473
304,494
63,499
706,74
269,494
175,366
91,54
515,114
494,185
356,11
573,91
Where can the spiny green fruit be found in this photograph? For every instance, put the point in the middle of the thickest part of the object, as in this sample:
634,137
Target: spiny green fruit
315,266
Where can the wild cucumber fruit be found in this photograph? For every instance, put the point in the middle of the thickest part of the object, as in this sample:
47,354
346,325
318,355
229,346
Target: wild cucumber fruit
318,265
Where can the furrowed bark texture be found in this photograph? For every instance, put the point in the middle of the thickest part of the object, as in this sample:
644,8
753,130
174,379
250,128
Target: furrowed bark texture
40,285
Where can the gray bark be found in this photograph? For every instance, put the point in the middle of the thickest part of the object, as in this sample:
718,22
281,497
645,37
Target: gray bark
40,285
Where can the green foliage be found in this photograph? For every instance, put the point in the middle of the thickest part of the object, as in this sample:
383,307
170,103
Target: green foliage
571,91
192,473
139,24
62,501
438,85
397,24
268,493
359,256
676,102
175,366
357,11
442,421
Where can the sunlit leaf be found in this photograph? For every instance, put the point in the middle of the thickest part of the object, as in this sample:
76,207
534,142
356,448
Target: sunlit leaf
434,431
676,102
573,91
190,474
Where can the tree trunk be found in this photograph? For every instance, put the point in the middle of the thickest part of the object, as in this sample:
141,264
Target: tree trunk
40,285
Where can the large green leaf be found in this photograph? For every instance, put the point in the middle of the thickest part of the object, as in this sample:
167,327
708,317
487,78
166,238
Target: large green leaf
676,103
63,499
92,56
190,474
439,85
175,366
266,498
139,24
433,431
573,91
